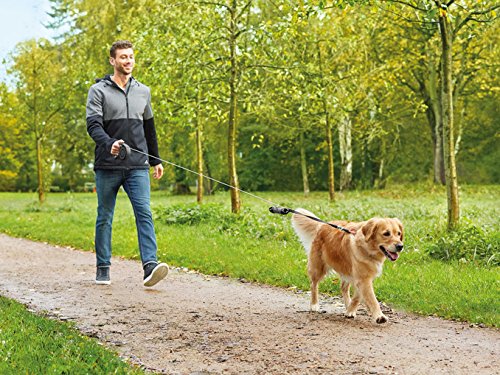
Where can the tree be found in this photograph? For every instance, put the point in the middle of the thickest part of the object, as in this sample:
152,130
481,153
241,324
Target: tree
40,80
9,137
451,18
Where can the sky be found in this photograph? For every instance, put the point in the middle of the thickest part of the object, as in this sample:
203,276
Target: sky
21,20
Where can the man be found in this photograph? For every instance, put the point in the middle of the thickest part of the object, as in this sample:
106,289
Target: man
119,111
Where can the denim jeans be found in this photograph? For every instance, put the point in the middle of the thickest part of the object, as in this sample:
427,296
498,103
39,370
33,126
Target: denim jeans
136,185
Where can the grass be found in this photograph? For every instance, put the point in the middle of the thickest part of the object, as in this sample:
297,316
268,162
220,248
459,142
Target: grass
261,247
33,344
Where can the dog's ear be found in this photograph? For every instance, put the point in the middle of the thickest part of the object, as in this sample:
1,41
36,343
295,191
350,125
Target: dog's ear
369,229
401,228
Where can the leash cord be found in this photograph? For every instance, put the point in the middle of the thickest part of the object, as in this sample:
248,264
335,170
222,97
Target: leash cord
202,175
275,208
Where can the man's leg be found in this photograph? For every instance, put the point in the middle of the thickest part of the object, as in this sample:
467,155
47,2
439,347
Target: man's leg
138,189
107,184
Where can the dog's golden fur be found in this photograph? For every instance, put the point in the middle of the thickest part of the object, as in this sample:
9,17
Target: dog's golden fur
356,258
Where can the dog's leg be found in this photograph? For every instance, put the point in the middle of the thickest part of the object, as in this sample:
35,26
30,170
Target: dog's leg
317,271
366,291
346,295
314,295
353,306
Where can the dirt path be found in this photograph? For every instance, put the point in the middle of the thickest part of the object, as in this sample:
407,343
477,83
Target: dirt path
194,324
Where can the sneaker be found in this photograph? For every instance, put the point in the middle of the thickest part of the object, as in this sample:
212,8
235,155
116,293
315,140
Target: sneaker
102,276
154,272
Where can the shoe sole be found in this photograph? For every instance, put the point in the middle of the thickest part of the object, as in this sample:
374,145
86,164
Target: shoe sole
99,282
157,275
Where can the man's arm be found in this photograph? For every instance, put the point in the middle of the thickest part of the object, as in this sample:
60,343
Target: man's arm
94,116
150,133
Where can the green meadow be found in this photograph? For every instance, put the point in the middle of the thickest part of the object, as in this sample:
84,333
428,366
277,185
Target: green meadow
454,275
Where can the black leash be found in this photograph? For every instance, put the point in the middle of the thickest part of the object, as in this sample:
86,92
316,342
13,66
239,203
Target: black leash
285,211
125,151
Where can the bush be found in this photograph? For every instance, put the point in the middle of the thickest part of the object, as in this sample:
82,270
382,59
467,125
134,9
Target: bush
7,180
247,224
468,243
189,214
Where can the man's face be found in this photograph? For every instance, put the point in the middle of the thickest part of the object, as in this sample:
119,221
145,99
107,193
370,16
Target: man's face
123,61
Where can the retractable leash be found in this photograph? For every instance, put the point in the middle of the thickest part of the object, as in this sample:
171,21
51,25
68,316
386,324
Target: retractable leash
285,211
126,150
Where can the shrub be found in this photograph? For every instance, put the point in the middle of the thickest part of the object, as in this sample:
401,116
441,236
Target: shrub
7,180
189,214
468,243
248,223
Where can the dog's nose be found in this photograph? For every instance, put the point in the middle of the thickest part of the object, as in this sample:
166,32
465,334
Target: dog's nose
399,247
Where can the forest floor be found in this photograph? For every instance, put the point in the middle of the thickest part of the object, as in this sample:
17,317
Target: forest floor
196,324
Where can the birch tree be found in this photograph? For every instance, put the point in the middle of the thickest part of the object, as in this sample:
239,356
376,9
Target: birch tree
452,18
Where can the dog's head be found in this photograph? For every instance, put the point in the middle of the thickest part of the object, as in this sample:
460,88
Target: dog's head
384,235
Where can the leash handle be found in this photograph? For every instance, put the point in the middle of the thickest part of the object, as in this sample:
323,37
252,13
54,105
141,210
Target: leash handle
279,210
124,151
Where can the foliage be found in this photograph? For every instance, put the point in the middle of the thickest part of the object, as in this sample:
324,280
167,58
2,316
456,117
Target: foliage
247,223
36,344
372,67
9,136
7,180
467,243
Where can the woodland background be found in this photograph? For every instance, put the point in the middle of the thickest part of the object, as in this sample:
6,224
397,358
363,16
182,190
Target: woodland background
267,95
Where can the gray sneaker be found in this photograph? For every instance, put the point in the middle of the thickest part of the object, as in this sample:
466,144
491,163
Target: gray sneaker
102,276
154,272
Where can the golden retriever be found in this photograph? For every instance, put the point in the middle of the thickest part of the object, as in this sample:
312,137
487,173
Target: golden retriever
356,258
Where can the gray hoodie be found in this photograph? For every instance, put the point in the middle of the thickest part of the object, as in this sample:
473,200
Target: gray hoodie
113,114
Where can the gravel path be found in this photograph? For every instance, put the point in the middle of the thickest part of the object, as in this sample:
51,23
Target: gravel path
196,324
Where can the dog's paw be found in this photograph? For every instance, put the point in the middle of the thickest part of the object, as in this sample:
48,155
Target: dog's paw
350,315
314,308
381,319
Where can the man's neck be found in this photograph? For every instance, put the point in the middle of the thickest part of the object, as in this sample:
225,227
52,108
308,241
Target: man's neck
120,79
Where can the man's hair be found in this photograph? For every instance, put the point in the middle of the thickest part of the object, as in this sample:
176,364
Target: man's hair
119,44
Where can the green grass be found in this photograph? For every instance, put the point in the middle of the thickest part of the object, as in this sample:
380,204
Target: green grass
32,344
261,247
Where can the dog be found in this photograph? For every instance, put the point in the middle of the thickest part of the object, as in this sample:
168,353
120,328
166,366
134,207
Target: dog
357,258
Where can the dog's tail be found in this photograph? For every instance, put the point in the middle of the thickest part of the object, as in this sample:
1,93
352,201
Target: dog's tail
305,228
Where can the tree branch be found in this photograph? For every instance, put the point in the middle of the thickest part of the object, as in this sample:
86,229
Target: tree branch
406,4
470,16
244,8
213,3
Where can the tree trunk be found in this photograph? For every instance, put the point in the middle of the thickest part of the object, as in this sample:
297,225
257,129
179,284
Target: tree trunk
460,128
435,121
39,163
209,186
303,165
345,146
199,150
448,124
233,102
331,176
328,128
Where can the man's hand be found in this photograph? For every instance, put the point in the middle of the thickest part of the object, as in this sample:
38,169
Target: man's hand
115,148
158,171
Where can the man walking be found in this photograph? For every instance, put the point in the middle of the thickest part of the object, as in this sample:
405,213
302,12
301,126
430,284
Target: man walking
119,111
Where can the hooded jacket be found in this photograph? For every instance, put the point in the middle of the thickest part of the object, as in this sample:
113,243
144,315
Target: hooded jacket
114,113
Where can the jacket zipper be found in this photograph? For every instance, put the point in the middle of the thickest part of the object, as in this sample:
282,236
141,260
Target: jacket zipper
128,115
126,104
126,98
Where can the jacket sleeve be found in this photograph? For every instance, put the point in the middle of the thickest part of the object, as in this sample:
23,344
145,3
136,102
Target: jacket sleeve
95,126
150,133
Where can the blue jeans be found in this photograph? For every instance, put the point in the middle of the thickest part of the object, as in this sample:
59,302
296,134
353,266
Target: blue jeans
136,185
